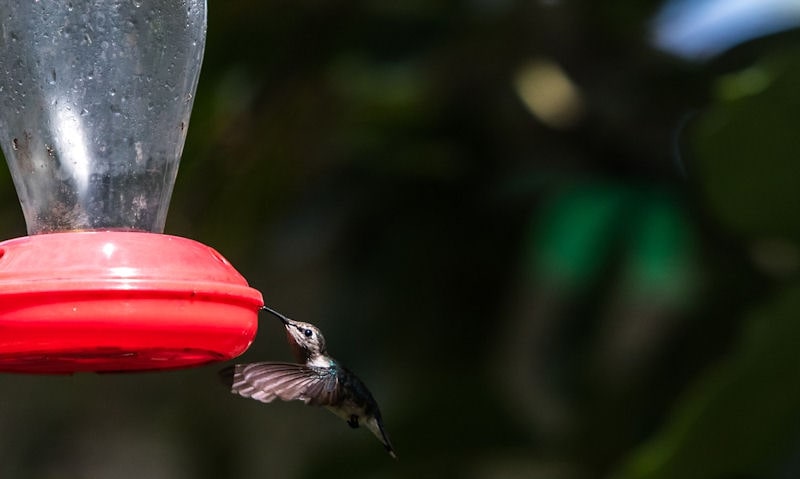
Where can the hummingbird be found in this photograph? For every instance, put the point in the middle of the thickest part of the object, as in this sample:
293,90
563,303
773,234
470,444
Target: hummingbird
319,380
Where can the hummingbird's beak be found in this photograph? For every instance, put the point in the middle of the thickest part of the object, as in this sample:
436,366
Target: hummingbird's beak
278,315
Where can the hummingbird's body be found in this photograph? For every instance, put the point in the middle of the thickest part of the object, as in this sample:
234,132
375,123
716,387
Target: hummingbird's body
319,380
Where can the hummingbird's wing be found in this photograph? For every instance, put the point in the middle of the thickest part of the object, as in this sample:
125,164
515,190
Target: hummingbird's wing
316,386
267,381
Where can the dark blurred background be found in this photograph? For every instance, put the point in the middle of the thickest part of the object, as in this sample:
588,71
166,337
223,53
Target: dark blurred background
557,239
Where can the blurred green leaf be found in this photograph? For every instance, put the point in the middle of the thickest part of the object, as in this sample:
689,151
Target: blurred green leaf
741,414
573,234
661,263
746,153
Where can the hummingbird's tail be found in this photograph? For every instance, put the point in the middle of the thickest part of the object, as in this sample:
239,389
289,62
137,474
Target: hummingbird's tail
388,446
376,426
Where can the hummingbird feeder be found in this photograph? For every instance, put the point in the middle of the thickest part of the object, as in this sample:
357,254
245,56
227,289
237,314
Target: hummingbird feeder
95,98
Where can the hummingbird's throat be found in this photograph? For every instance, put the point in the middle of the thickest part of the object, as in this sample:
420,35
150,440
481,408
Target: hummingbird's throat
301,355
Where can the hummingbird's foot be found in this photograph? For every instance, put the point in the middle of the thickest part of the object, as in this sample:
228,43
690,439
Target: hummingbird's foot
353,421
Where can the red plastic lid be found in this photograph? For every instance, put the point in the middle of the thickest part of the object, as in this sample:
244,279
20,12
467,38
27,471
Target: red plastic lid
119,301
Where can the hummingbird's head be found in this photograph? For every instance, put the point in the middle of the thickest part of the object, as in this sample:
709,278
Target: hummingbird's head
306,335
305,338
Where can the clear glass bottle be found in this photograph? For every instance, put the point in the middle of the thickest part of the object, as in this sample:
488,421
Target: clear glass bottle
95,98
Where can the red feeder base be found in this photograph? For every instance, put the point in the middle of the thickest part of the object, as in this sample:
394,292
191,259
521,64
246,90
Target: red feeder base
119,301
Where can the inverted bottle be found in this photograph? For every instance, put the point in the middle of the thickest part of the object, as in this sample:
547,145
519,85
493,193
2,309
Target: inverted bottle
95,99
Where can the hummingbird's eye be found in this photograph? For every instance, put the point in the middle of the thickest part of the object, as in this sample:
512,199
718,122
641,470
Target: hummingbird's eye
308,333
